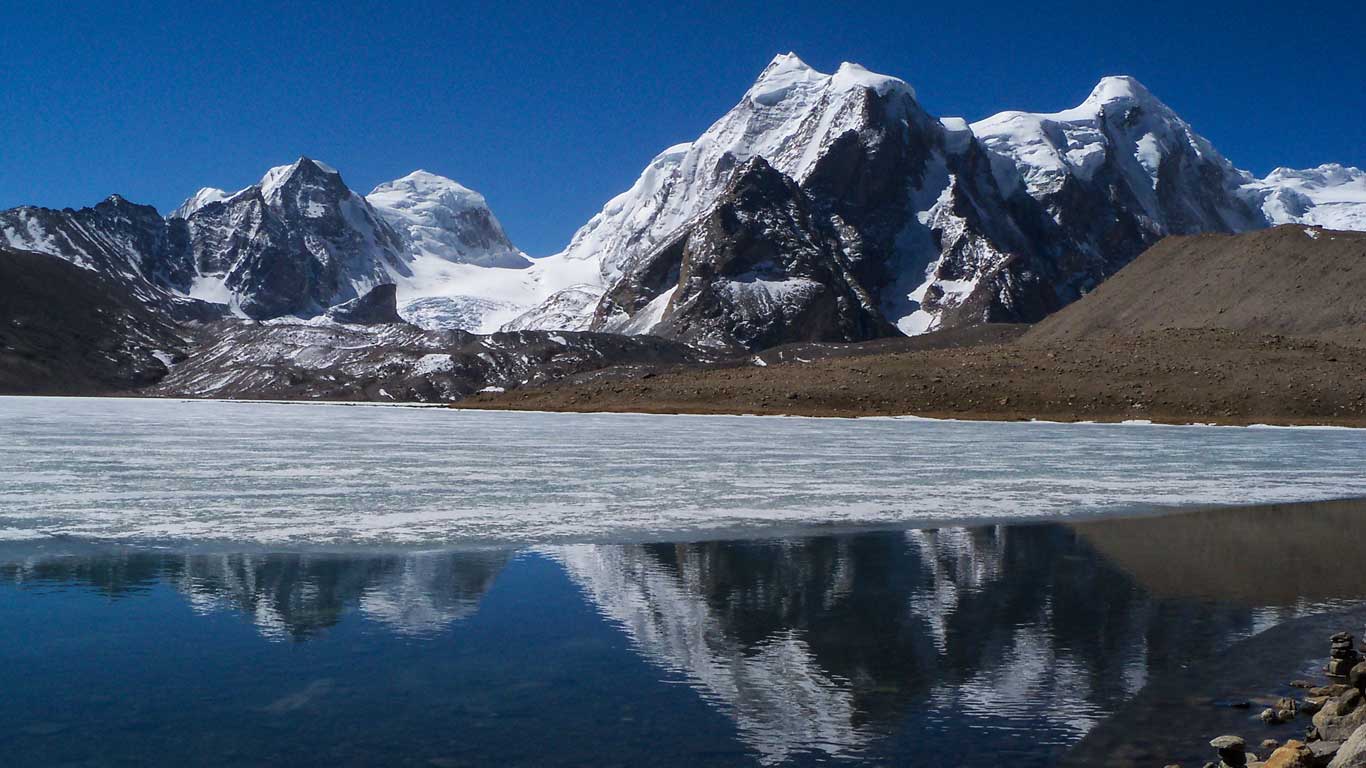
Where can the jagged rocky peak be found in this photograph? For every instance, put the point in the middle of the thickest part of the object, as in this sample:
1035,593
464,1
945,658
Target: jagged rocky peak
296,243
761,267
314,180
306,186
789,117
121,240
443,219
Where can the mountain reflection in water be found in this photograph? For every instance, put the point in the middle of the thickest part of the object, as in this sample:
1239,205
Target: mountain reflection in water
956,645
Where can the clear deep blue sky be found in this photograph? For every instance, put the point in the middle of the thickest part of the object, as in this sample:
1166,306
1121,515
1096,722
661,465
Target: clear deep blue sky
551,110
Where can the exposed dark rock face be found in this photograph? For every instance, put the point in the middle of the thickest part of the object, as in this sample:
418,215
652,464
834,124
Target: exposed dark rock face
125,243
377,307
67,330
296,244
761,268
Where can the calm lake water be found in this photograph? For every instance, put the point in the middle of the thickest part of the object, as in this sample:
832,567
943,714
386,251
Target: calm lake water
226,584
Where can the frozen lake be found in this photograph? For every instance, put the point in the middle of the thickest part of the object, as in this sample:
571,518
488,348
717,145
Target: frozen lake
337,475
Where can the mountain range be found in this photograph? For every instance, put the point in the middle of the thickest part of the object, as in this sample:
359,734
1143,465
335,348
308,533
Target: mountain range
822,207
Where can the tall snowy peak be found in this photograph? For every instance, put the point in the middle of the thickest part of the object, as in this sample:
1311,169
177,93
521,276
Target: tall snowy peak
198,200
442,219
791,116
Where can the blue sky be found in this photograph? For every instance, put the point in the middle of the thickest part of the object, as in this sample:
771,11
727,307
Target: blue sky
550,110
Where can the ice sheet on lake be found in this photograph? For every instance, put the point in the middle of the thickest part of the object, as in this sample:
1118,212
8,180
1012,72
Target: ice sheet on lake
344,475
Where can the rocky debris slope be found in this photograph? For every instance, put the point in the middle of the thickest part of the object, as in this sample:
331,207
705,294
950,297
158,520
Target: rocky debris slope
1291,280
1178,376
67,330
324,360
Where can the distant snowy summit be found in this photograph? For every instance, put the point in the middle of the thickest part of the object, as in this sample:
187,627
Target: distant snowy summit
1331,195
441,219
819,207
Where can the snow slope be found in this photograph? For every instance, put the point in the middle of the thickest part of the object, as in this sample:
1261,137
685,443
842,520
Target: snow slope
1153,156
443,219
1332,196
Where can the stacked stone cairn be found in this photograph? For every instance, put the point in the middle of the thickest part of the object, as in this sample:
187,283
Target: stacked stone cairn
1343,656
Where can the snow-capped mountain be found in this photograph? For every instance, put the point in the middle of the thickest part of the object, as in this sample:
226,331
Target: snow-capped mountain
886,178
821,207
443,219
296,243
760,268
937,223
126,243
198,200
1332,196
464,273
1126,145
790,117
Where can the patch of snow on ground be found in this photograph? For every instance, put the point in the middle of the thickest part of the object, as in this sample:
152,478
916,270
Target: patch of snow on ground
428,364
213,289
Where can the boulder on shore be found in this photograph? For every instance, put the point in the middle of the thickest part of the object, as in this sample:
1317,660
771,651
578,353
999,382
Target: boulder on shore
1342,717
1352,754
1293,754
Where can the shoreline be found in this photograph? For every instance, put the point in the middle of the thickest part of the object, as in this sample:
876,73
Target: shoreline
636,409
995,417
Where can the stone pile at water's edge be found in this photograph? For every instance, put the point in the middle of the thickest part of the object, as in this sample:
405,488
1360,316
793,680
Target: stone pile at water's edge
1343,655
1337,738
